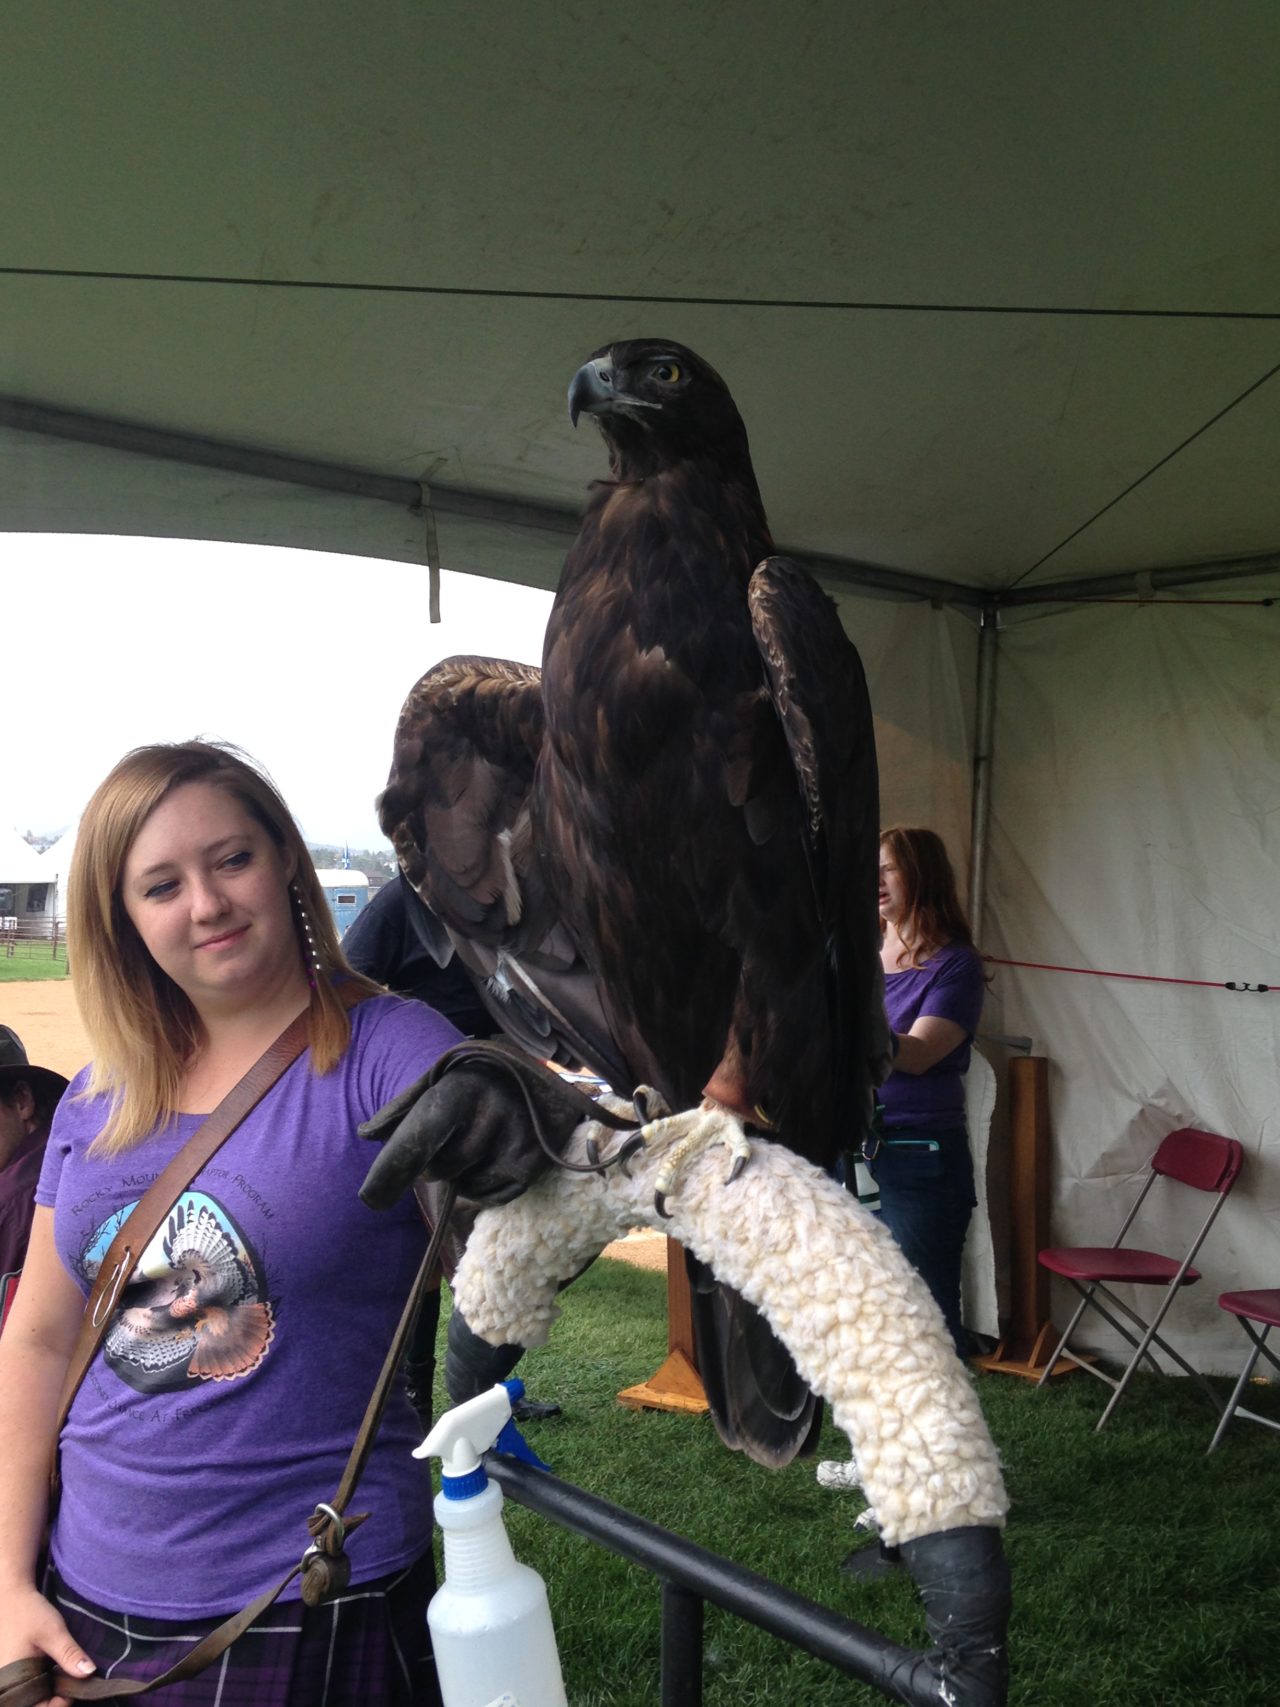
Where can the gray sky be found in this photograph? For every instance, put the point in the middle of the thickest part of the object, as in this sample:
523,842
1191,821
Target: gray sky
302,658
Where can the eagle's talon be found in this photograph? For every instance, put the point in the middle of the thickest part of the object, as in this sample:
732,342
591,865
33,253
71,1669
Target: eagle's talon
689,1134
622,1156
593,1152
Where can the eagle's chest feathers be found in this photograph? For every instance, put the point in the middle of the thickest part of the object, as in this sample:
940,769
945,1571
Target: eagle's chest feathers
650,655
653,686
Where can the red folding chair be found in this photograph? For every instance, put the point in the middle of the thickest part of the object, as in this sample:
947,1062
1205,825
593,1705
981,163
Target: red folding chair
1202,1160
1248,1308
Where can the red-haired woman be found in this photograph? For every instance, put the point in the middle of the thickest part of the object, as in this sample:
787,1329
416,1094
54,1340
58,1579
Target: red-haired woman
934,987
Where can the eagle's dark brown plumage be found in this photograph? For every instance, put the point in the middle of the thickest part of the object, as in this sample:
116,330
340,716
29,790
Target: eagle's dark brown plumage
684,803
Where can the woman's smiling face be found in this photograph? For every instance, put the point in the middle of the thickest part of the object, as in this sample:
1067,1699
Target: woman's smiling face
207,891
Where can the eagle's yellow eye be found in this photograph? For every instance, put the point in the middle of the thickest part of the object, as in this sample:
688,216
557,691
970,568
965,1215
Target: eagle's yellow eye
667,372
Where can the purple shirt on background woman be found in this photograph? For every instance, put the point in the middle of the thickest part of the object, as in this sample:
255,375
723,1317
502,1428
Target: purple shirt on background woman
948,986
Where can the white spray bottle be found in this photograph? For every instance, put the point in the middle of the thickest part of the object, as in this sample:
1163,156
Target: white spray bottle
490,1622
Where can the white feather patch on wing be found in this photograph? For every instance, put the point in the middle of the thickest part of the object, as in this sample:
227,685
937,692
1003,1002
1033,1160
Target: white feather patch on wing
510,882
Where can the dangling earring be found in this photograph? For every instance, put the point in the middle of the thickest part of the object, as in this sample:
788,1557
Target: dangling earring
310,953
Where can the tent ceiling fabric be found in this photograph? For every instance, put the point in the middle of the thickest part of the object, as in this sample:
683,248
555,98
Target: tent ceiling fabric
971,273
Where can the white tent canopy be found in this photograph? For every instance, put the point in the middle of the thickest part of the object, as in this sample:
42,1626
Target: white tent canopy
994,288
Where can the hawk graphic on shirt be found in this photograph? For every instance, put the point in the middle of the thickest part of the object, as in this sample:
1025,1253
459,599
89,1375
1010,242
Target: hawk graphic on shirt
195,1307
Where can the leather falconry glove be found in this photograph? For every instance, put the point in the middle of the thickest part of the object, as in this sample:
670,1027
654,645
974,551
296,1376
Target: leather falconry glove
486,1117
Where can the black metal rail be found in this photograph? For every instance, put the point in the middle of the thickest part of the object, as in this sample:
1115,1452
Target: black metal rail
690,1576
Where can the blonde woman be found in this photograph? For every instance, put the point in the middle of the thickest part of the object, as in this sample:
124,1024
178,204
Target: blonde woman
236,1369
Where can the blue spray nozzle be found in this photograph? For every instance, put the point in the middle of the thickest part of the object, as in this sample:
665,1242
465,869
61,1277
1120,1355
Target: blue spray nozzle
462,1436
512,1444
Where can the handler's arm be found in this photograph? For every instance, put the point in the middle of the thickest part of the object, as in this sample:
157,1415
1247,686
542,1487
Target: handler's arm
34,1352
926,1043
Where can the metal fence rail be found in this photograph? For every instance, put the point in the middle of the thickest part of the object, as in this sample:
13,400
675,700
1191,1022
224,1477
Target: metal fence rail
690,1576
39,934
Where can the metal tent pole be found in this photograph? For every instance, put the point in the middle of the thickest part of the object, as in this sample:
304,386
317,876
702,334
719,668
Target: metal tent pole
988,637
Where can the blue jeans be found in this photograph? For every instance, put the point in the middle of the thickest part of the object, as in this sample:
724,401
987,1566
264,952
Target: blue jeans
926,1199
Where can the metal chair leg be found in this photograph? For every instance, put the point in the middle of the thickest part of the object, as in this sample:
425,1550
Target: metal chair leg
1259,1347
1142,1347
1049,1367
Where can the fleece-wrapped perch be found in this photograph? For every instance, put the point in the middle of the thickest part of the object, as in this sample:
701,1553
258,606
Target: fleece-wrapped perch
859,1322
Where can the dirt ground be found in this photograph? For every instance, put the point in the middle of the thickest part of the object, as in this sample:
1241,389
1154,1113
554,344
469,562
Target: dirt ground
44,1015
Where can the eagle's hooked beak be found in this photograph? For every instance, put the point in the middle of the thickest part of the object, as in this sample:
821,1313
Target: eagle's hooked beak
591,389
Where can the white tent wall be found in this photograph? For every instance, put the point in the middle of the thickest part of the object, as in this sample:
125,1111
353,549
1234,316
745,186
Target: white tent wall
921,666
1135,811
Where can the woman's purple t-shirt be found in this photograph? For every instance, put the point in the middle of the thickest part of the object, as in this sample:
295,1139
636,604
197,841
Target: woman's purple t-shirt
232,1381
948,986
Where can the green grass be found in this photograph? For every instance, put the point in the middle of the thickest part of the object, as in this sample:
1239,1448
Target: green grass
1145,1574
32,960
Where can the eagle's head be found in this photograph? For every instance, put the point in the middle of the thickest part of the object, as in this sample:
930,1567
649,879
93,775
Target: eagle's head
657,403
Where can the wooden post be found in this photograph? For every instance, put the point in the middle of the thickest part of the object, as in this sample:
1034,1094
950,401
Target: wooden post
1029,1341
676,1385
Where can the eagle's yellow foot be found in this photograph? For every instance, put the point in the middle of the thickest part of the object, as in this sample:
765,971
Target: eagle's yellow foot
689,1134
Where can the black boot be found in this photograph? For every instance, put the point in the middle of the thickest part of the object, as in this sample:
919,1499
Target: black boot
870,1561
420,1356
535,1410
963,1578
419,1378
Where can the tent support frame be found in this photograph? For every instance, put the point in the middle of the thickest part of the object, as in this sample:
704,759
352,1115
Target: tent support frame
984,728
262,464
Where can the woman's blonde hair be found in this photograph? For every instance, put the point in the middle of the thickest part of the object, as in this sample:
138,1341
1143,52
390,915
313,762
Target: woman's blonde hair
932,912
142,1027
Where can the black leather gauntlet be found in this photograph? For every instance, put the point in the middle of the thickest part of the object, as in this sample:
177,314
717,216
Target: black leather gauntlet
486,1117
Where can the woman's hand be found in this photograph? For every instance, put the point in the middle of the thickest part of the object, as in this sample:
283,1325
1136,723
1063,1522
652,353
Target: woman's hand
925,1044
31,1626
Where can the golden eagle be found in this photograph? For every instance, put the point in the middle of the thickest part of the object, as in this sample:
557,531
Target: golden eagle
660,851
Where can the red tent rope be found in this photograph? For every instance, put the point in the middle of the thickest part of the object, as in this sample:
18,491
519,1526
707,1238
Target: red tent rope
1137,977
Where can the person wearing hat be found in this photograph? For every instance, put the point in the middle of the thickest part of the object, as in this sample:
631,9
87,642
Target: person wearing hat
28,1097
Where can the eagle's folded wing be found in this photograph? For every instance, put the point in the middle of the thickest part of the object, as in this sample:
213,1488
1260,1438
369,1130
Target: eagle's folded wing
456,810
456,804
819,694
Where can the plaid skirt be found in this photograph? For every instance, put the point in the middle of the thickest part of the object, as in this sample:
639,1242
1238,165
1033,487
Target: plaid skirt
367,1648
